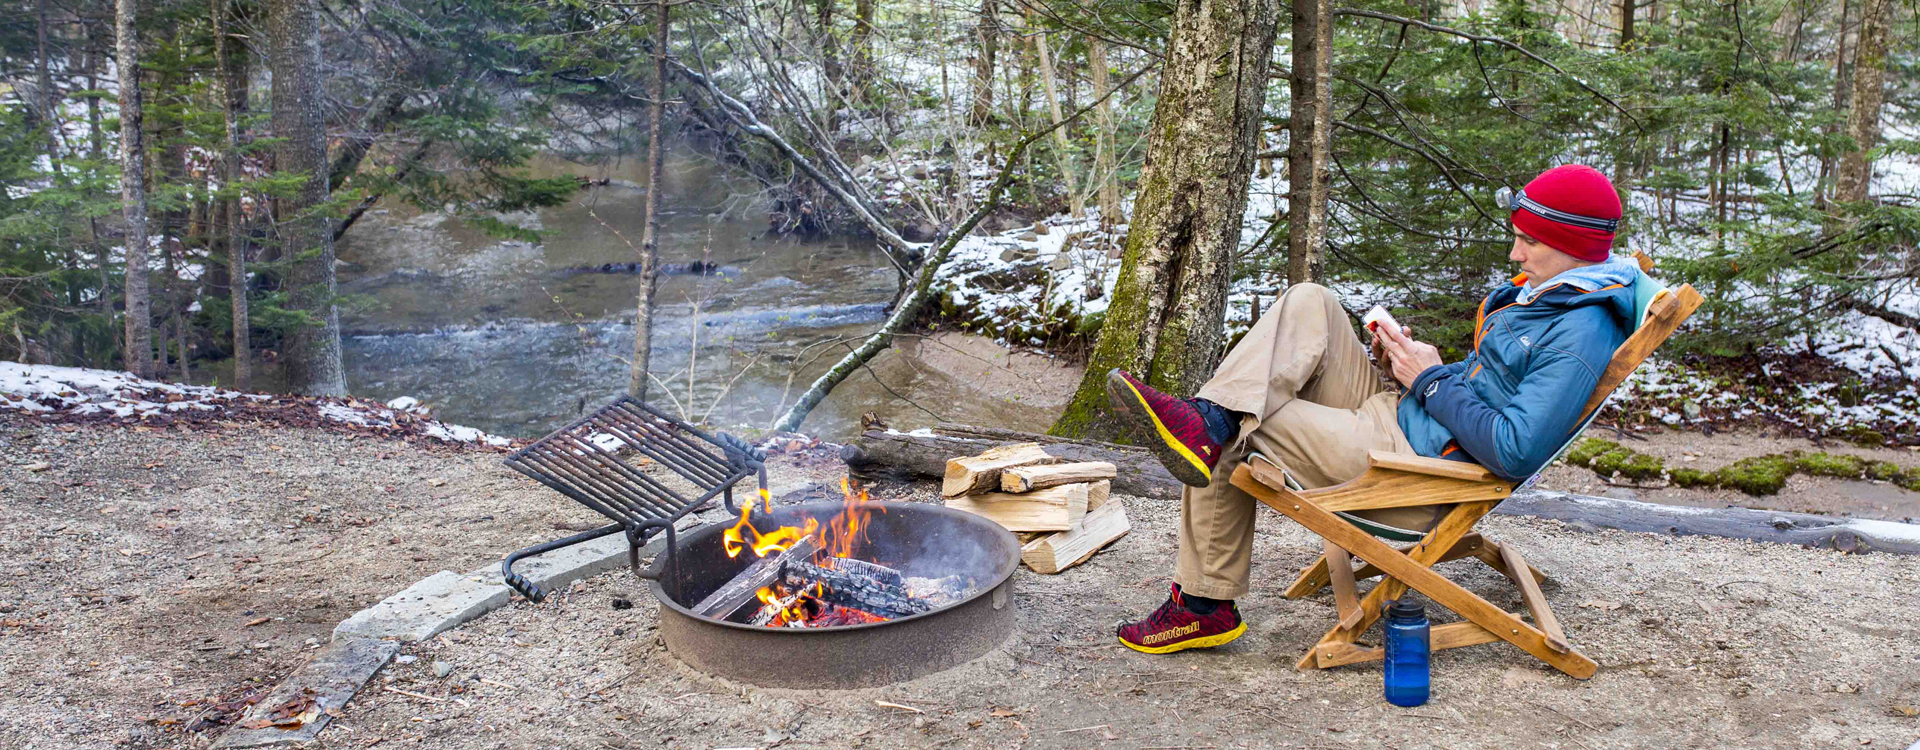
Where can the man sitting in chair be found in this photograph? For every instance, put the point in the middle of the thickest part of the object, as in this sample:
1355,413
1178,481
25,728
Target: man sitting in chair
1300,391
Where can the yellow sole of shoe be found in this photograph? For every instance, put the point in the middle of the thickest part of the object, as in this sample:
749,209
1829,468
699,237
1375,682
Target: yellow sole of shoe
1206,642
1170,445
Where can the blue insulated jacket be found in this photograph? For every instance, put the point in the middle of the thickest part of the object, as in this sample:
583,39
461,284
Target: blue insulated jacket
1513,402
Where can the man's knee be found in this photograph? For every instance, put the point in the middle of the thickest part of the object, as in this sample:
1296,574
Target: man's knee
1308,295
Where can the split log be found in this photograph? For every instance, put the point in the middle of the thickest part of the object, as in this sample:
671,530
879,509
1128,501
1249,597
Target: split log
740,590
1853,535
1056,552
967,475
1028,478
1097,494
898,456
1051,509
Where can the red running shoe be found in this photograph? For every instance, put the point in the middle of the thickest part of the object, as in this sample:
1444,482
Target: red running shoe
1173,627
1176,431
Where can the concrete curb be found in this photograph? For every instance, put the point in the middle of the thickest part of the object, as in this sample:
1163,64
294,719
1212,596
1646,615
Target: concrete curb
365,642
334,675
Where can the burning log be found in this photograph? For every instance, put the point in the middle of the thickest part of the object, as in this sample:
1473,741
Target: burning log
742,587
879,572
1029,478
1056,552
855,589
965,476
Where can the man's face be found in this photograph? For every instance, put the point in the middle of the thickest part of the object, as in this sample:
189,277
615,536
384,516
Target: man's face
1539,261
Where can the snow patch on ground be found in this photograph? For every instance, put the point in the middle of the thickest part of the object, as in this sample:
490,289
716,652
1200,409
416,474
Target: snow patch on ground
84,392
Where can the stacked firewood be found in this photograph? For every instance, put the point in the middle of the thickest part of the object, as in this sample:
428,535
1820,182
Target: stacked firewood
1064,512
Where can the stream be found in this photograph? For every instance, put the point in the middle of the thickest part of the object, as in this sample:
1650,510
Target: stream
515,339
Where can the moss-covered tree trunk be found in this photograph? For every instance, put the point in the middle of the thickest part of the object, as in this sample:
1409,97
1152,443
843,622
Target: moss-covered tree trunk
1164,322
1869,91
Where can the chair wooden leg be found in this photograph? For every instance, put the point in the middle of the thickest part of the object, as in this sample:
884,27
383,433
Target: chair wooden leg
1314,577
1340,573
1413,569
1536,601
1492,553
1457,523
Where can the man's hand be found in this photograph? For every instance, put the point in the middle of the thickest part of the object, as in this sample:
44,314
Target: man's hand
1407,358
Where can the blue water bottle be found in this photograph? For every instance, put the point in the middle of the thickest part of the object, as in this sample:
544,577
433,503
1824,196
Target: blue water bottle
1407,651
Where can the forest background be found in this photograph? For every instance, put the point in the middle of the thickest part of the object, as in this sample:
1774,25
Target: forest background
1768,153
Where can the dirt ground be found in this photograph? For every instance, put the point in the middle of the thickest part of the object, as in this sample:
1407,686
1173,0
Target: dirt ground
1701,642
154,578
1805,494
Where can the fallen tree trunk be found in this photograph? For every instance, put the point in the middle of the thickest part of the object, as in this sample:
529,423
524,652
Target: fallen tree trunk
900,456
1852,535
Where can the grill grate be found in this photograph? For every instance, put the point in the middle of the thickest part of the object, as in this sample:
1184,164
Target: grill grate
598,460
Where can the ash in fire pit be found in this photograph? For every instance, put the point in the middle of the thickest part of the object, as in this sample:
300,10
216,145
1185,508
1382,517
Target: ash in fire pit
810,576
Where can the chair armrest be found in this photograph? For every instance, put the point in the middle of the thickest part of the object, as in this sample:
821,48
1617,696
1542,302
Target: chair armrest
1437,467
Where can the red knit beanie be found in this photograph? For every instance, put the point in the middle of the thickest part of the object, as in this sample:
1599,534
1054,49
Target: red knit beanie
1570,189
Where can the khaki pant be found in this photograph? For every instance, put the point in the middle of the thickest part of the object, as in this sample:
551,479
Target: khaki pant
1313,403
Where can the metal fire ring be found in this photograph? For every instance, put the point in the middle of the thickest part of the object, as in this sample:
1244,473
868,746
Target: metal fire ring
848,656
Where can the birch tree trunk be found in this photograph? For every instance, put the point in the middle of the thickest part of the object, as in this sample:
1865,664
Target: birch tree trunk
312,352
989,32
1104,170
133,189
1855,175
1164,321
1063,156
650,235
1310,140
232,78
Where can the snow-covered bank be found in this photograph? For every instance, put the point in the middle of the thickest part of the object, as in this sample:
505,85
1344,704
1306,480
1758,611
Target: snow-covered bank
105,395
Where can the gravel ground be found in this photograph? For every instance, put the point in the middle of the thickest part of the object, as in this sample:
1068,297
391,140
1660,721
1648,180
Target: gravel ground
157,577
1700,642
154,578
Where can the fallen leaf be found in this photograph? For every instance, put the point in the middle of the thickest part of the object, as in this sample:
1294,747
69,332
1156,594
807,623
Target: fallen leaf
1907,711
1001,713
1600,604
436,482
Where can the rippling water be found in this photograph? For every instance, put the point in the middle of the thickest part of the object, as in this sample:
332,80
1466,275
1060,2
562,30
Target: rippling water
501,335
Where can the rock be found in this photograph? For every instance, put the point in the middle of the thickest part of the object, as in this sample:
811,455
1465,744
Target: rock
1029,237
39,466
442,669
1620,493
920,231
1061,262
407,659
1040,228
622,604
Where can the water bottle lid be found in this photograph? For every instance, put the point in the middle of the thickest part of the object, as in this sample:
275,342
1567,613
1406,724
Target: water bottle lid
1407,606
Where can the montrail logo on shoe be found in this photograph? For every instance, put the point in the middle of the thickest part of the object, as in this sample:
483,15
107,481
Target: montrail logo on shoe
1166,635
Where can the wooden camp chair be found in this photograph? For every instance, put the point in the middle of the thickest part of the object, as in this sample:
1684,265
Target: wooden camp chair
1397,480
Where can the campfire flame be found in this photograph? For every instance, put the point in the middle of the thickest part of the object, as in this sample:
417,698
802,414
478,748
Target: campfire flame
838,540
843,533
